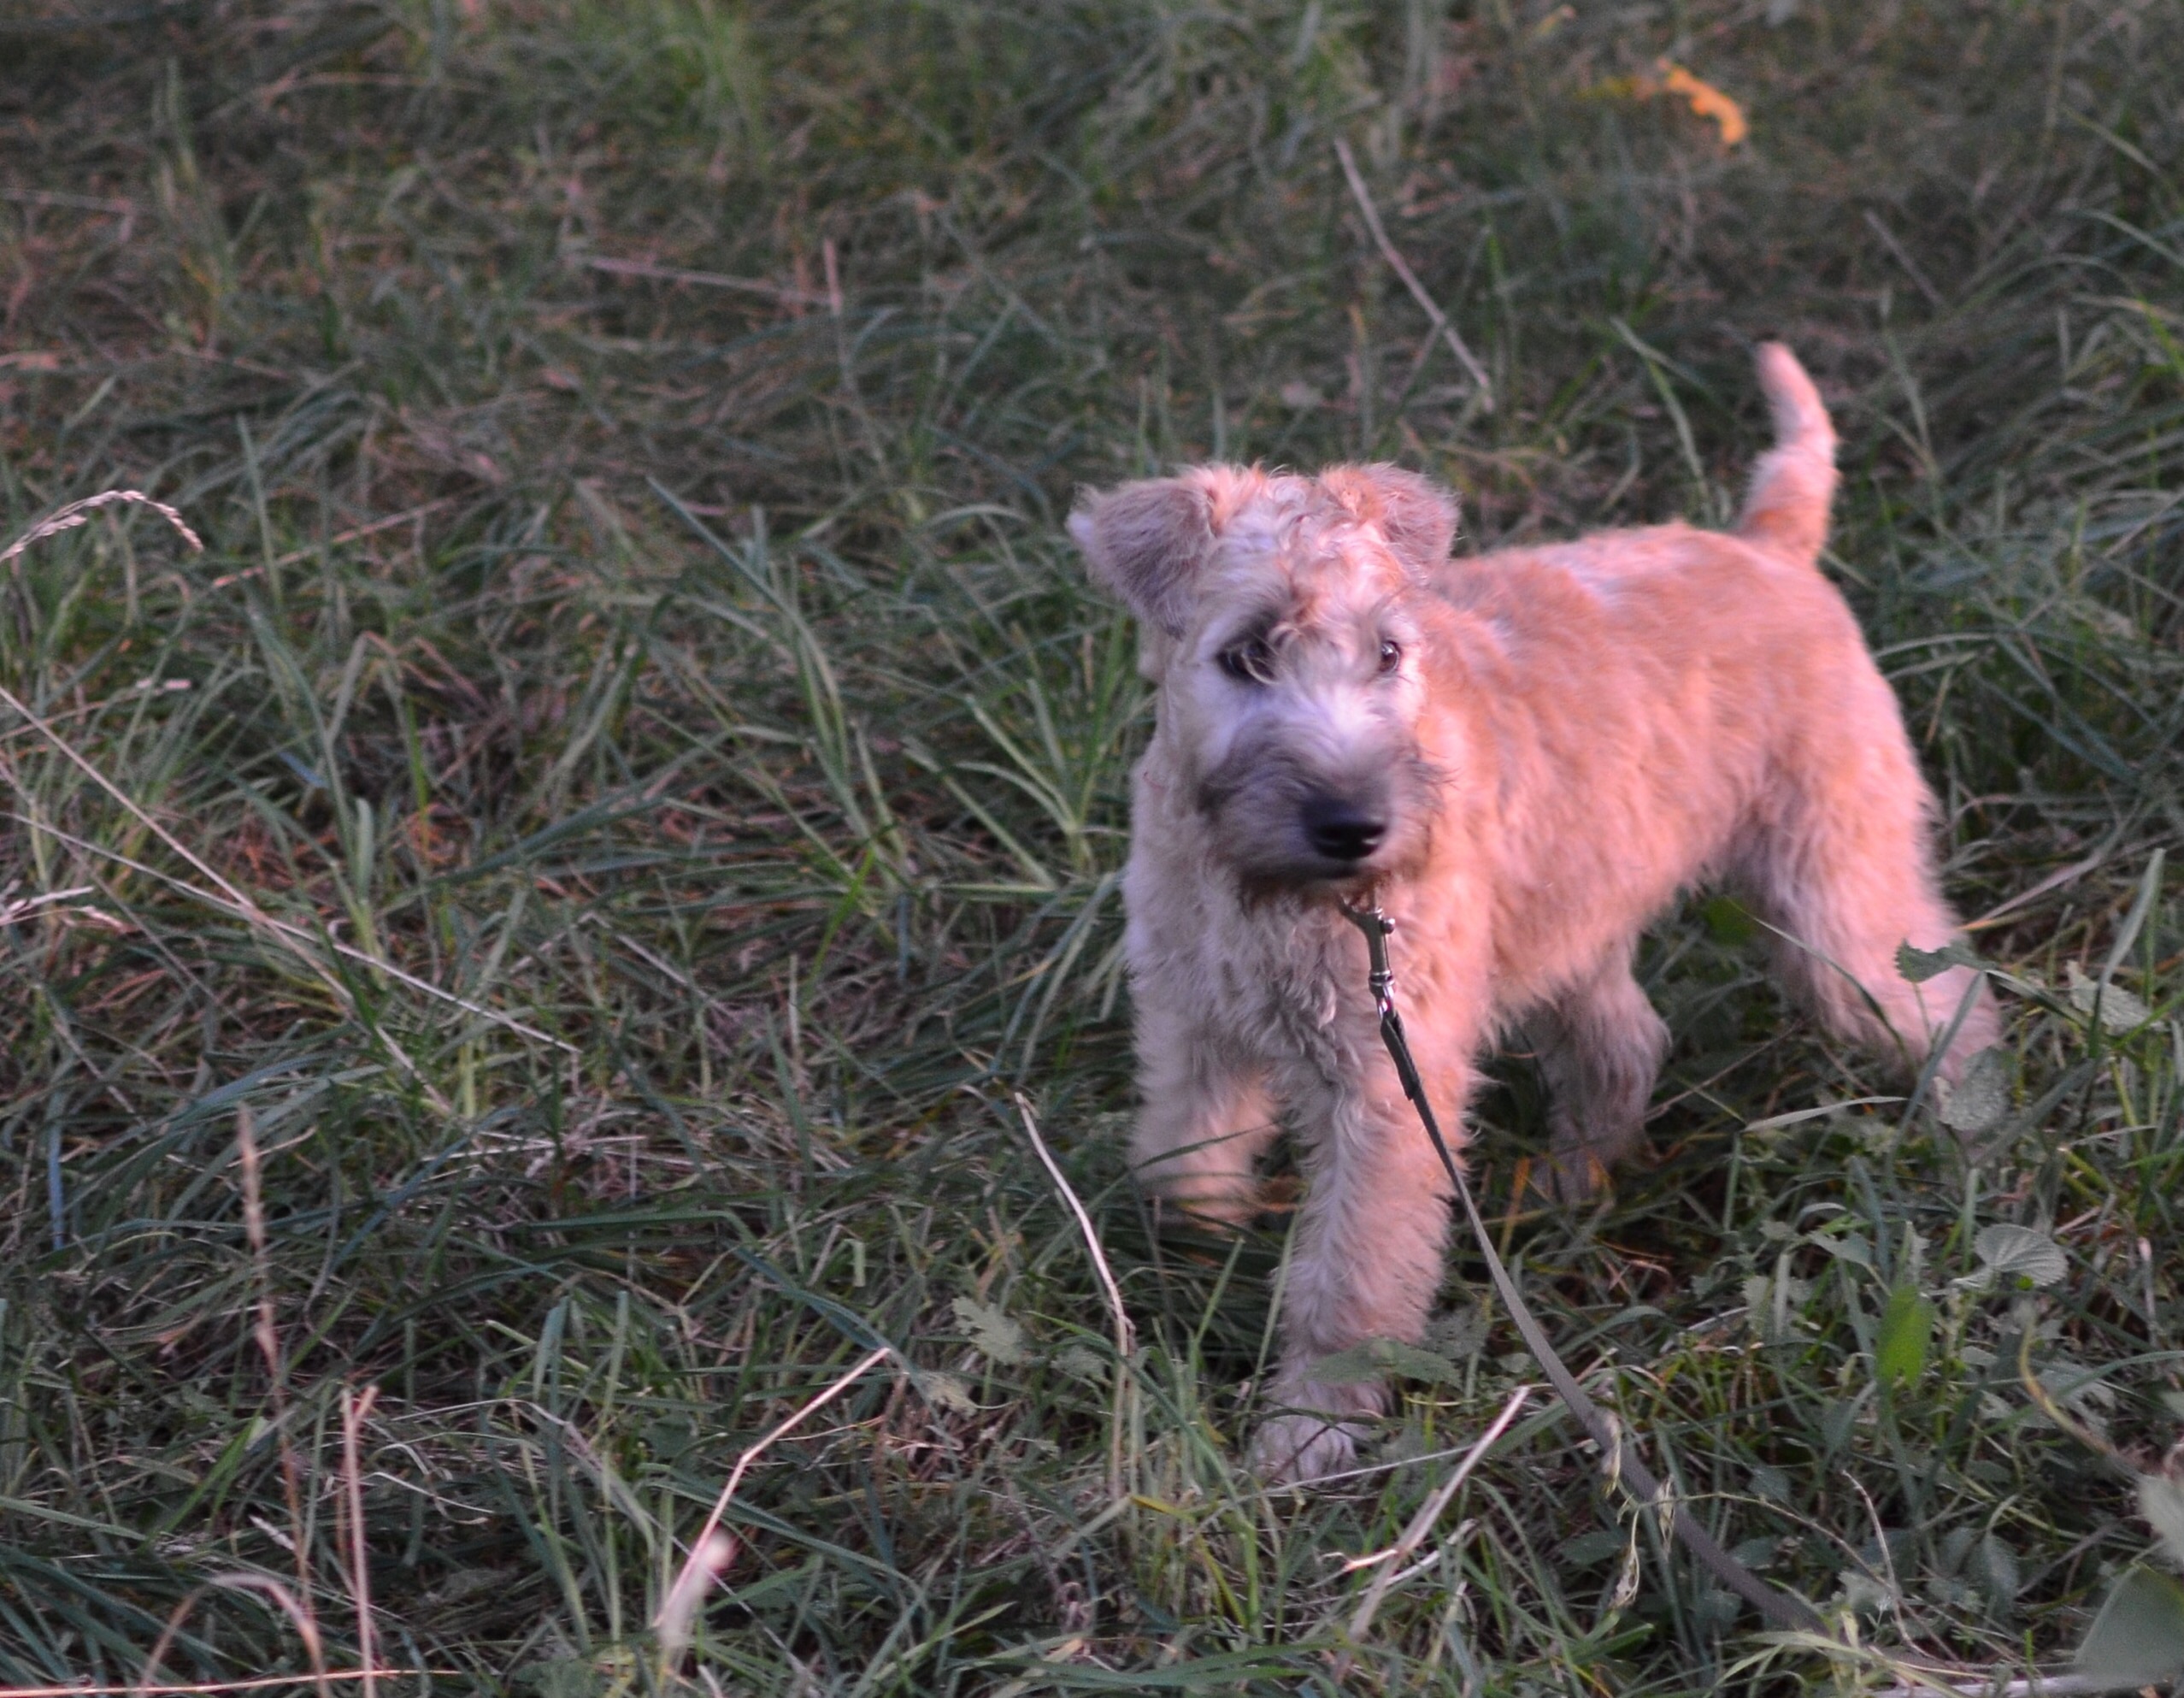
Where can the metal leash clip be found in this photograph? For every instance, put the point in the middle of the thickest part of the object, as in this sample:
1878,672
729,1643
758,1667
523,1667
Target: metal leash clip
1378,929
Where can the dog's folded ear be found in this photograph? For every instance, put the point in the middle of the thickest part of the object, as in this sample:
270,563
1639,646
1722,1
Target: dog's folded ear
1146,541
1416,515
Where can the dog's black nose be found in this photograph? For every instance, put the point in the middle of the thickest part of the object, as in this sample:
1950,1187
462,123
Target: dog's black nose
1341,830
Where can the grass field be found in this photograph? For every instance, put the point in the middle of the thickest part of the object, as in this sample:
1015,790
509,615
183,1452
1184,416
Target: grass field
519,956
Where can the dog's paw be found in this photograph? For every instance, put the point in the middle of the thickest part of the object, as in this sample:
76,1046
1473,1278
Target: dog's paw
1573,1174
1295,1450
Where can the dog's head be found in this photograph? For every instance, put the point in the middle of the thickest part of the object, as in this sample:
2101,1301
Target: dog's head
1284,622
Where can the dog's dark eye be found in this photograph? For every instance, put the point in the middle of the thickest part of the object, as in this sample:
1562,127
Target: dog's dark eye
1251,663
1390,655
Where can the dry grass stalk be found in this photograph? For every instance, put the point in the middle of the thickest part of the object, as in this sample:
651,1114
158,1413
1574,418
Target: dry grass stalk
1388,1564
266,1332
210,1688
79,513
1118,1316
297,1608
294,938
355,1410
707,1555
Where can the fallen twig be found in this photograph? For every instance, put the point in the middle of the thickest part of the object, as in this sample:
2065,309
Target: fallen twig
1396,262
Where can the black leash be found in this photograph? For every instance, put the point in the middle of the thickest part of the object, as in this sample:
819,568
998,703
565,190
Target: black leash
1618,1460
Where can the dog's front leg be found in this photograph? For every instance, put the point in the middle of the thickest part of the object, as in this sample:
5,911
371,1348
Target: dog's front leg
1203,1119
1367,1259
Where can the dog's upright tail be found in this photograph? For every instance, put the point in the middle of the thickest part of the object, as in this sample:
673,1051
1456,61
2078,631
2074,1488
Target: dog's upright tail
1786,511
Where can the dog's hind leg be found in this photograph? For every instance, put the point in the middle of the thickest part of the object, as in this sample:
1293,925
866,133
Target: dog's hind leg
1205,1119
1845,875
1600,1046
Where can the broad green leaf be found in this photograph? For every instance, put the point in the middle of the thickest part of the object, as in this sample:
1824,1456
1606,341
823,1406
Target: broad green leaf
1995,1565
563,1677
2018,1252
1460,1334
1918,965
1757,1553
2119,1011
1597,1546
2138,1637
992,1333
944,1391
1981,1097
1906,1328
1378,1358
1851,1246
2078,1389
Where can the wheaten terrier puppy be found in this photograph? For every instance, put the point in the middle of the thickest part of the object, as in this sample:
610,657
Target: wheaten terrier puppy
1525,757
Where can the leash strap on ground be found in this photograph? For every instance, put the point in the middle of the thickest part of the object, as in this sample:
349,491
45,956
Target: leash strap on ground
1618,1459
